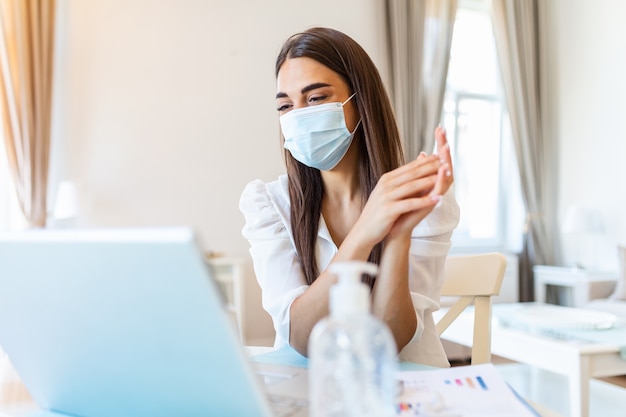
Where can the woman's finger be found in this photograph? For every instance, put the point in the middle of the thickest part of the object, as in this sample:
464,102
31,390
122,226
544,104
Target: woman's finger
443,148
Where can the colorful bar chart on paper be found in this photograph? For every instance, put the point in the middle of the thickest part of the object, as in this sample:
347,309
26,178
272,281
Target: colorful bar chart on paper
468,382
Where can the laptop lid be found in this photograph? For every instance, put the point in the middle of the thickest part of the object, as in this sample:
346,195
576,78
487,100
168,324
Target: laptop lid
121,322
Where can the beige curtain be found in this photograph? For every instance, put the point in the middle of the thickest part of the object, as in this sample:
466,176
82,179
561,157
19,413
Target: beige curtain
420,36
26,51
518,29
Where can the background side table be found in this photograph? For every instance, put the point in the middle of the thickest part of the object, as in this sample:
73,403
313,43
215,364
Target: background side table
574,287
227,271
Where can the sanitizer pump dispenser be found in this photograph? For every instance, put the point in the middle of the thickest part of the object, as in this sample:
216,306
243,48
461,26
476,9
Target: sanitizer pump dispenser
352,354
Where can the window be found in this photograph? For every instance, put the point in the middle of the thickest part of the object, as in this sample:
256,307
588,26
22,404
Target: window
475,117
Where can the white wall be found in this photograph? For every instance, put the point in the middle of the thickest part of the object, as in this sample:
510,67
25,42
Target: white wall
165,109
587,58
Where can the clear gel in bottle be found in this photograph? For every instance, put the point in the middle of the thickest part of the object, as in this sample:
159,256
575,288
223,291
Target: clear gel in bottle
352,354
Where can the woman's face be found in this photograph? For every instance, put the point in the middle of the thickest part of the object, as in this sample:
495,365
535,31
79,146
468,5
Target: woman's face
304,82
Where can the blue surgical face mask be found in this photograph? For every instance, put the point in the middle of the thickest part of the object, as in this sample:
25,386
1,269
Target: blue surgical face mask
317,136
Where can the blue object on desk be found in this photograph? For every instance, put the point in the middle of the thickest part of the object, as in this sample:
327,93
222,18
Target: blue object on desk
122,323
289,356
283,356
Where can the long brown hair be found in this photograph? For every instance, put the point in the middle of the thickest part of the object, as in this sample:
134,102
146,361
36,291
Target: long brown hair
380,149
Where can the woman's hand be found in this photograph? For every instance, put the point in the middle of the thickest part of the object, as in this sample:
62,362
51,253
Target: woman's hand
405,191
444,179
443,150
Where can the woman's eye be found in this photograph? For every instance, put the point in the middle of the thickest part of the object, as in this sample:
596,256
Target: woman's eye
316,99
283,107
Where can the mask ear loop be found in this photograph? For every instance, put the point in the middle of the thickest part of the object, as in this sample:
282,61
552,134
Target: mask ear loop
356,127
348,99
359,123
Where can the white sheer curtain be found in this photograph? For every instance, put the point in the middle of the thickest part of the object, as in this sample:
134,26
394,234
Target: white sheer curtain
420,35
518,29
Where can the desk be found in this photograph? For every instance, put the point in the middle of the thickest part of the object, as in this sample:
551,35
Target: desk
288,356
578,361
16,402
581,285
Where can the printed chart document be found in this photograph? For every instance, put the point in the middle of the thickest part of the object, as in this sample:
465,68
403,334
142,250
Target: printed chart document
463,391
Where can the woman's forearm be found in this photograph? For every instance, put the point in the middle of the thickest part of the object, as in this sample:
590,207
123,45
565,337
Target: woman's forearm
391,296
313,305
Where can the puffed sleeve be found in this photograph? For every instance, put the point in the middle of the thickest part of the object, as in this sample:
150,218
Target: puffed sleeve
276,265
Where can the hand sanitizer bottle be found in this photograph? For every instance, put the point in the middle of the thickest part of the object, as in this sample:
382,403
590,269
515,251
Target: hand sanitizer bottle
352,354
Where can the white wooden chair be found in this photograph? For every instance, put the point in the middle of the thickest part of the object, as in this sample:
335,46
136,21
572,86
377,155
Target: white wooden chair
473,278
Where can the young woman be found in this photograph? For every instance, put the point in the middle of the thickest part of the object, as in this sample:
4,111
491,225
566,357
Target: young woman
348,195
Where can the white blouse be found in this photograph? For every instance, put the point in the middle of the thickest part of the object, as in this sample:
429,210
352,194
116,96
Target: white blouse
265,207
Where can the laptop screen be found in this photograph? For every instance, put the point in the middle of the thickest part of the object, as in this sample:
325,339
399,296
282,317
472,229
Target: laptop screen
123,322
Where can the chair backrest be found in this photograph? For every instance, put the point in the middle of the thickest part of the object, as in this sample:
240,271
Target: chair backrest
473,278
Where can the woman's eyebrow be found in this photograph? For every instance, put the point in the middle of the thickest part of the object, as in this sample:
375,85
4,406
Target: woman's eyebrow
305,90
313,86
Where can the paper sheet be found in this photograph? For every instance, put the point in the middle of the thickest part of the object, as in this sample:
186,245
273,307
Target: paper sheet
462,391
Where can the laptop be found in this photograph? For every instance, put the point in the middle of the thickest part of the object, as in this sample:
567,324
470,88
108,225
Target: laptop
127,322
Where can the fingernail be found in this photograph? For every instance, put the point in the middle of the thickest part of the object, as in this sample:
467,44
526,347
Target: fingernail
437,198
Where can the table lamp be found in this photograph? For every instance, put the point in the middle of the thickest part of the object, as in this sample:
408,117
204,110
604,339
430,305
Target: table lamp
581,223
66,207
